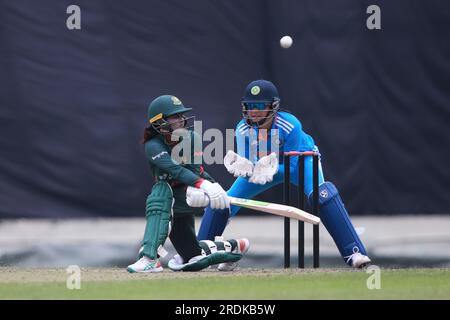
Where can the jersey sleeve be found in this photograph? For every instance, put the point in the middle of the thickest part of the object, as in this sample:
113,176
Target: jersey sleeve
297,140
306,141
160,157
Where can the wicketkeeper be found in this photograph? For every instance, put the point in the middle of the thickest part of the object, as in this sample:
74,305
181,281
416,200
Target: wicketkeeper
262,136
167,213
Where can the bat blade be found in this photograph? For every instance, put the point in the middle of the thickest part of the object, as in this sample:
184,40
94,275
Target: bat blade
277,209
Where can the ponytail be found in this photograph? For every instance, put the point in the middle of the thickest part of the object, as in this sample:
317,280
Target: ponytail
149,133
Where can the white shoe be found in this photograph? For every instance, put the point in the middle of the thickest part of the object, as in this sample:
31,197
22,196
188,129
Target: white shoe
176,263
358,260
242,248
145,264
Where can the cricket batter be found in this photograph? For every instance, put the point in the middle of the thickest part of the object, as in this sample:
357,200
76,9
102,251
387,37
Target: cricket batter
167,213
262,136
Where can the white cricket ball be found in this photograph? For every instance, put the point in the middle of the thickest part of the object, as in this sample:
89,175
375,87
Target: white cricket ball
286,42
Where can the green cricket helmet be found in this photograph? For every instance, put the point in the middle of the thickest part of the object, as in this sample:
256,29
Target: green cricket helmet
163,107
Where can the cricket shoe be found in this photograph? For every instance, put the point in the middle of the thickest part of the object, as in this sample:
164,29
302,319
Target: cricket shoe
144,265
357,259
242,248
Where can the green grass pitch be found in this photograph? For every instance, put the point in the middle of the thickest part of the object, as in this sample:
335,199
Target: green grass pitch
270,284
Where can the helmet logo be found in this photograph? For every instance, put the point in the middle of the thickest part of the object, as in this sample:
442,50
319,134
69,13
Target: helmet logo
176,101
255,90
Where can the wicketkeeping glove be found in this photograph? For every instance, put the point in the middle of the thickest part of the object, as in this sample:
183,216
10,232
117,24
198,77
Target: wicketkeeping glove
265,169
237,165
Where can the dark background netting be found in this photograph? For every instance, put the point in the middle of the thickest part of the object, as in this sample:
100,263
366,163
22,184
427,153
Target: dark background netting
73,103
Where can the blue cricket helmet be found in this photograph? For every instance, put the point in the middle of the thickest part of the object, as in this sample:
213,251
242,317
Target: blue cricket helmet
260,91
261,95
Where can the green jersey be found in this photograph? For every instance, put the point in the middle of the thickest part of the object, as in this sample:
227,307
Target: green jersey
187,171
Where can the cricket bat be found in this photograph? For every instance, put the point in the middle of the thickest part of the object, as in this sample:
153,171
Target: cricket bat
277,209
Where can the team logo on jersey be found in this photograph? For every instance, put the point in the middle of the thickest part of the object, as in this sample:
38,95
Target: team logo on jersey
324,194
255,90
176,101
159,155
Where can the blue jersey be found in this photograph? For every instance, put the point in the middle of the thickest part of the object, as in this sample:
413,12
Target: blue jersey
285,135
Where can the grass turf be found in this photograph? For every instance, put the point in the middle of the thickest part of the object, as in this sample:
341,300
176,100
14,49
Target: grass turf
310,284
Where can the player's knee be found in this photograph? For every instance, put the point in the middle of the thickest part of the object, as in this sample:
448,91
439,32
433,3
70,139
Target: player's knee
160,200
327,192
